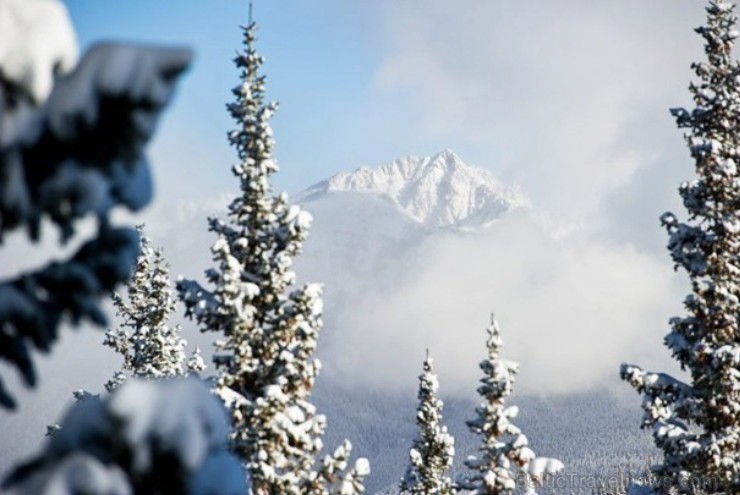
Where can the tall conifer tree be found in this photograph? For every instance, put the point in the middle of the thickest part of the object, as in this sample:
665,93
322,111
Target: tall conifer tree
266,358
505,460
431,455
696,423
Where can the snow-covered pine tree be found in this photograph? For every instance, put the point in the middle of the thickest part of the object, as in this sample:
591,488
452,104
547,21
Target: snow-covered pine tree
696,423
70,147
149,346
505,460
266,358
430,458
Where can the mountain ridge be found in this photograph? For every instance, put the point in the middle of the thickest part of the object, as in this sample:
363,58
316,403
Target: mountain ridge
436,191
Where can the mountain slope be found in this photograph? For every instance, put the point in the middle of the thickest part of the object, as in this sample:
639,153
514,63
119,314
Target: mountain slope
437,191
594,433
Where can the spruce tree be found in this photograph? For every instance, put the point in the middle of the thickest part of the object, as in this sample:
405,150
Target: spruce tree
269,327
70,147
149,346
505,460
696,422
430,458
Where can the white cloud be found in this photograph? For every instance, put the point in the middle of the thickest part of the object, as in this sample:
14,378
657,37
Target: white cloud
571,310
567,98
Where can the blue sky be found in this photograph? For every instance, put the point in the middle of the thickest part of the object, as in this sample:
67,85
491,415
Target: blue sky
568,100
321,63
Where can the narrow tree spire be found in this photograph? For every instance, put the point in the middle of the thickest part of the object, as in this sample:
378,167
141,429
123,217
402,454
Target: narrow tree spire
430,457
265,359
504,461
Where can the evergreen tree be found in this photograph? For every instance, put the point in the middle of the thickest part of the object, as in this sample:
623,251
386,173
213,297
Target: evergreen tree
266,358
433,450
696,423
70,147
505,460
149,346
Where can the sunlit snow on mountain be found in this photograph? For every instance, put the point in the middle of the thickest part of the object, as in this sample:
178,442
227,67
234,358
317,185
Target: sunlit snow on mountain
436,191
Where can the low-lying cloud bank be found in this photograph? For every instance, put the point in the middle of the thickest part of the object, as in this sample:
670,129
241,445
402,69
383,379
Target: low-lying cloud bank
571,309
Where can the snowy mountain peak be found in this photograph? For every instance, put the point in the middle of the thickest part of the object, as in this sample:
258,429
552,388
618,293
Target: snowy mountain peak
437,191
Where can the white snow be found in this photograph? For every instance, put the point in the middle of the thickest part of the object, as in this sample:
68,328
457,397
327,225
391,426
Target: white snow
269,326
505,451
171,412
437,191
433,448
171,424
541,466
79,473
37,42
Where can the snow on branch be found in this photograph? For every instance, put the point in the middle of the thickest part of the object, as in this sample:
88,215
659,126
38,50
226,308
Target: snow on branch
433,450
149,345
154,436
268,326
72,144
696,422
504,457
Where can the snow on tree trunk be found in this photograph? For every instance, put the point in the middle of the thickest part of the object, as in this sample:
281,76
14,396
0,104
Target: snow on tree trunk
505,461
697,423
430,458
149,346
266,358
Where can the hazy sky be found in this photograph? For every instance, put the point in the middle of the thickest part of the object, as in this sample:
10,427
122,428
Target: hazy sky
323,60
567,99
